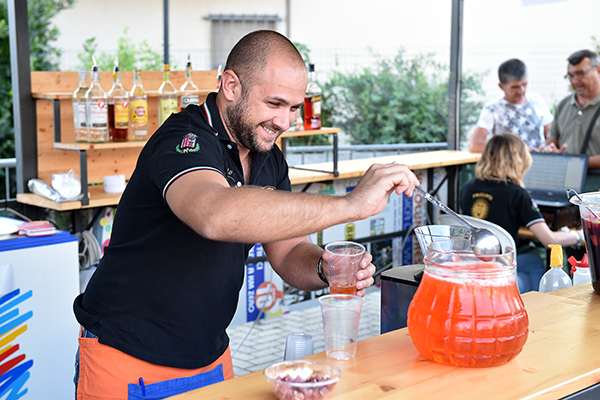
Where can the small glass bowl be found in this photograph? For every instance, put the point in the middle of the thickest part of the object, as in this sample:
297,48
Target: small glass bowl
302,379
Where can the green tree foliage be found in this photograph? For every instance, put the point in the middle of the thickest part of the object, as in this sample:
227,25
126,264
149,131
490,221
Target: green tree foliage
128,53
397,101
44,57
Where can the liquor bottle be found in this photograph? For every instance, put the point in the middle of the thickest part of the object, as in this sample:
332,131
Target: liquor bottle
79,118
189,92
219,77
118,108
167,96
312,101
138,109
96,109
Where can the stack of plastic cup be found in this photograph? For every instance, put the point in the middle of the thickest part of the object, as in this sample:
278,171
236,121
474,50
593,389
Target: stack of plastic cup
298,345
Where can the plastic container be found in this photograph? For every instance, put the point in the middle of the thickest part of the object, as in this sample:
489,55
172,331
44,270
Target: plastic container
580,270
589,211
467,312
555,278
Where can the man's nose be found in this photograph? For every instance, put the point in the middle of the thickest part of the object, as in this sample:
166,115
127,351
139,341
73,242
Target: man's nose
283,120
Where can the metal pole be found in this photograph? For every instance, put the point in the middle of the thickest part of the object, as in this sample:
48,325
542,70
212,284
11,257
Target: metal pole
455,80
23,103
166,31
288,29
454,89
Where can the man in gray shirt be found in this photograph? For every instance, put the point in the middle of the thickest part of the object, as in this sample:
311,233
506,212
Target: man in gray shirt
575,112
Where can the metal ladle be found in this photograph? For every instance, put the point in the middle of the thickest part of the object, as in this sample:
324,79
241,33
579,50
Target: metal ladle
573,192
483,241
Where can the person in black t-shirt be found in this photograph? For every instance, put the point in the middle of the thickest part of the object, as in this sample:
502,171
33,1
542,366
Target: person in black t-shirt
209,184
497,195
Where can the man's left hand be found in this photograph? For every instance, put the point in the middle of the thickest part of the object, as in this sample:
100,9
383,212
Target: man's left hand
364,276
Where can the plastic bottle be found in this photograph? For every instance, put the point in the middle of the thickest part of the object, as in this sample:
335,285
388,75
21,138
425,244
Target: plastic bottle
580,270
555,278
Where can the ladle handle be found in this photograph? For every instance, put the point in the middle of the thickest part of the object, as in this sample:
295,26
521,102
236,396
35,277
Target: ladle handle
444,208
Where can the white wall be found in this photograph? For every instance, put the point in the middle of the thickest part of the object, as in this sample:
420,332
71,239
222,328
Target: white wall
340,33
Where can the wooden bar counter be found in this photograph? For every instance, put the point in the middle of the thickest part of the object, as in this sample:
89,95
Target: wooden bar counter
561,357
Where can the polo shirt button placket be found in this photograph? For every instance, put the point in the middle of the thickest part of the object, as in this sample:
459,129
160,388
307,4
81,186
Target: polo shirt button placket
239,184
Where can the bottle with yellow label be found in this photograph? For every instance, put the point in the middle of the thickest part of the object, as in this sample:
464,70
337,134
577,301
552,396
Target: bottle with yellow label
138,109
555,278
118,108
167,96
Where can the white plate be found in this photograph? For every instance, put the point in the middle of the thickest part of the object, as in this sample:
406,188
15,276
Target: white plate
7,228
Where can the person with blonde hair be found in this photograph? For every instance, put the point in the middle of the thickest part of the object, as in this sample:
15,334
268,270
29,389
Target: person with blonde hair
497,195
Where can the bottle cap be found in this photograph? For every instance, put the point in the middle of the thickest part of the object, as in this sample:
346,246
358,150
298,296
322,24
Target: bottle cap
556,255
578,264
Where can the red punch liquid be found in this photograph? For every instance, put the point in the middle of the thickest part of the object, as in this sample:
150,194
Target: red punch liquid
591,231
342,288
468,323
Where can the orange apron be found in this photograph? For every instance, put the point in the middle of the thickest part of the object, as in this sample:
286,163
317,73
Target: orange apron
106,373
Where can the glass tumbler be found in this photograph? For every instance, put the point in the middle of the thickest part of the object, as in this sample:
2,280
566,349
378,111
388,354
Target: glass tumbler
467,310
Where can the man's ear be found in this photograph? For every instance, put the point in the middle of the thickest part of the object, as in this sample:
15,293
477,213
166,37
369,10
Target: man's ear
501,86
230,85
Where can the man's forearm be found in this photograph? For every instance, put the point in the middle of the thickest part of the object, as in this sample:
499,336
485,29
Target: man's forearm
296,262
255,215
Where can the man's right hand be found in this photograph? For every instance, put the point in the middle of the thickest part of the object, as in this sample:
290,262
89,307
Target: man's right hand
371,194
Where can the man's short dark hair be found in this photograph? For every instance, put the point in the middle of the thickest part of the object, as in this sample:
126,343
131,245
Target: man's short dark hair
578,57
512,70
250,55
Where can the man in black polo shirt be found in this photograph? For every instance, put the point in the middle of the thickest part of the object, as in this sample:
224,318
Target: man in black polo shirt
208,185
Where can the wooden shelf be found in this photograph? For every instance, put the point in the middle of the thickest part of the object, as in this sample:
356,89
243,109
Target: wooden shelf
97,198
69,95
310,132
77,146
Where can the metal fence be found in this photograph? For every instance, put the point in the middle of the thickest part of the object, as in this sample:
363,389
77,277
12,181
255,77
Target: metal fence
8,172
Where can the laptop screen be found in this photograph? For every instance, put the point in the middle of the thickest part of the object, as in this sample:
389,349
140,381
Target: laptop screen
556,172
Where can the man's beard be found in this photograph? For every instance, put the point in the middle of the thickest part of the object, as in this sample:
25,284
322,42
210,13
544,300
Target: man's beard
243,130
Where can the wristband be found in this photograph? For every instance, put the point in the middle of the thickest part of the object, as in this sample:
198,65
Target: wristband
320,271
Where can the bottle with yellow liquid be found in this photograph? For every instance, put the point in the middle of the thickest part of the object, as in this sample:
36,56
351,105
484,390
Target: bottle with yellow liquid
555,278
167,96
138,109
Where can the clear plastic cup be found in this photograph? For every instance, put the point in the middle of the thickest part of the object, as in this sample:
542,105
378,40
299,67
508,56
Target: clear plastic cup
343,259
341,316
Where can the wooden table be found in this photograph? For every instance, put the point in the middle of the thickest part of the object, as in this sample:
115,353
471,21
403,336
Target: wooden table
561,356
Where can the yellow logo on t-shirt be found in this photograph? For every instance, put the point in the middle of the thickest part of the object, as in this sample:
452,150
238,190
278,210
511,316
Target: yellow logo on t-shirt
480,208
